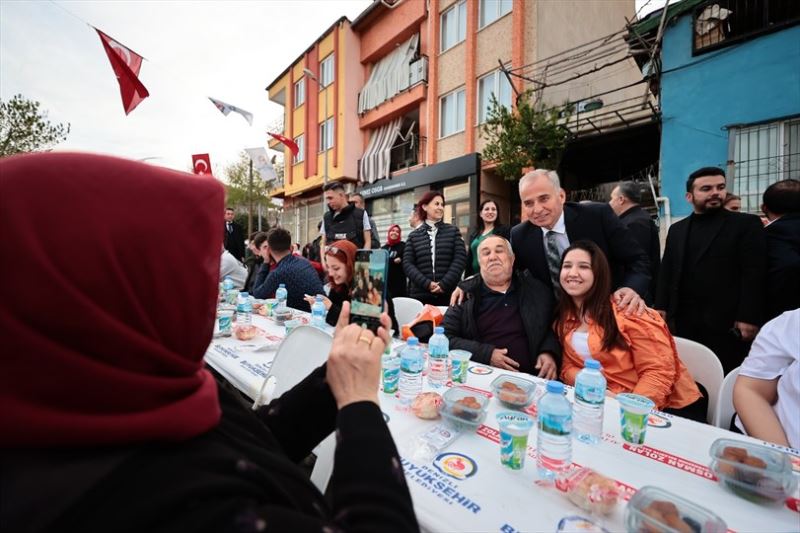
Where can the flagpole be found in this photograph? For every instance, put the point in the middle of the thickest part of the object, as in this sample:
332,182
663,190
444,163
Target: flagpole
250,200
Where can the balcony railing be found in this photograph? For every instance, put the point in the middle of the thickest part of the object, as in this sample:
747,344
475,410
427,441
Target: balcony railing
405,155
719,23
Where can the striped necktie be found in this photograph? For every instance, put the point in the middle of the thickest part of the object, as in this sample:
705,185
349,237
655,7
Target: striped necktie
554,261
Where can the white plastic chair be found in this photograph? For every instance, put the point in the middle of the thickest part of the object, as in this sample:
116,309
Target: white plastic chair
443,309
705,368
405,309
303,350
725,409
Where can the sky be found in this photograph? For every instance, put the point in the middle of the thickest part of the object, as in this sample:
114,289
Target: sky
228,50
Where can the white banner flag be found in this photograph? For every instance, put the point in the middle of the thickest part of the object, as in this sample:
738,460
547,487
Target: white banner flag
225,109
262,163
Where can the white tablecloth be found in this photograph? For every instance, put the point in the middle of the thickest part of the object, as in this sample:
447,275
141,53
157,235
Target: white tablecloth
466,489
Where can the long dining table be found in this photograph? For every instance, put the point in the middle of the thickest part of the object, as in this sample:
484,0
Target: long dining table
464,487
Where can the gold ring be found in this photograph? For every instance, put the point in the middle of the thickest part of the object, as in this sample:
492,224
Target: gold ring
362,338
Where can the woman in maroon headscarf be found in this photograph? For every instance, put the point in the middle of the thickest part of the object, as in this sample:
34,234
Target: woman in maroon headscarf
109,421
396,282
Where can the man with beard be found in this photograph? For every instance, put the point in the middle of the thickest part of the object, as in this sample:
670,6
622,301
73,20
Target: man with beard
711,282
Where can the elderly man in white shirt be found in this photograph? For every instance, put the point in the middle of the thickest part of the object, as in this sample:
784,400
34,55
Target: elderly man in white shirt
767,392
232,268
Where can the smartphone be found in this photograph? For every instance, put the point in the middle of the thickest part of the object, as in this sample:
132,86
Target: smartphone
368,292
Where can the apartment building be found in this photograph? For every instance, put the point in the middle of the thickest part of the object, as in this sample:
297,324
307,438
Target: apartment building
319,93
423,72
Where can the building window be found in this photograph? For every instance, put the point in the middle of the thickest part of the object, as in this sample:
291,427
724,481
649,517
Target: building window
723,22
491,10
451,113
326,135
495,83
760,156
300,92
326,71
454,25
300,141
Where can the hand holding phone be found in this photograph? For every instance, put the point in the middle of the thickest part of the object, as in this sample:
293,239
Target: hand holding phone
368,288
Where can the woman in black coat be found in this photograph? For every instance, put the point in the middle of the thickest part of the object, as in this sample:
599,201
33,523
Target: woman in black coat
435,255
488,223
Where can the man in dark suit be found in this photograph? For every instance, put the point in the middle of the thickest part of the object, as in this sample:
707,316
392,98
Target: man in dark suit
233,235
552,223
625,200
782,208
711,283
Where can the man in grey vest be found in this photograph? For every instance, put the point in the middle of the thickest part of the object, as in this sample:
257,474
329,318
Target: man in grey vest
343,221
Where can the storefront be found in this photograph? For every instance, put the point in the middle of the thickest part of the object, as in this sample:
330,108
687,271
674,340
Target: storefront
301,216
390,201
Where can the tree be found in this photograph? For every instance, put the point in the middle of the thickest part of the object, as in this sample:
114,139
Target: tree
237,188
24,128
532,135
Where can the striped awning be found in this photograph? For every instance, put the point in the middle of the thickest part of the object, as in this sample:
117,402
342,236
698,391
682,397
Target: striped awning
377,158
390,76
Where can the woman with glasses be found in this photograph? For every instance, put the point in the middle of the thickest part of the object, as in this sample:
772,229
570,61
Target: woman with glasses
488,223
340,257
435,255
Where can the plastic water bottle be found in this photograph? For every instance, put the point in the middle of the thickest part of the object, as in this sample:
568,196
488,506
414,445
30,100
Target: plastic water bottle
438,348
590,395
411,363
227,284
244,309
390,370
281,296
554,439
318,313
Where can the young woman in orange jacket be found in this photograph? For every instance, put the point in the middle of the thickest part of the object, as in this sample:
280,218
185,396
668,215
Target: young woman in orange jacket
637,353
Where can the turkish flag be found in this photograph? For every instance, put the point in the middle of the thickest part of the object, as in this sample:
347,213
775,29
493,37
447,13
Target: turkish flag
290,144
126,64
201,164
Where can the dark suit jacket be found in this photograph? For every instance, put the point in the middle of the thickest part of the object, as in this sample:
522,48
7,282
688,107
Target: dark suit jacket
234,241
593,222
783,265
731,269
645,232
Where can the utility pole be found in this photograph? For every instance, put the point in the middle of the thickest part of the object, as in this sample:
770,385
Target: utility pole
250,201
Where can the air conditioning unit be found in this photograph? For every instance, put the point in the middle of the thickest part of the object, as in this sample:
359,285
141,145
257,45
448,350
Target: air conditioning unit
419,71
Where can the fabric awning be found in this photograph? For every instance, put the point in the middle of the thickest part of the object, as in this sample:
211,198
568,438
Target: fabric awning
390,76
377,158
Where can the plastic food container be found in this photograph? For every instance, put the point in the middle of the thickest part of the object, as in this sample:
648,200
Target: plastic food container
463,408
752,471
654,510
513,392
282,316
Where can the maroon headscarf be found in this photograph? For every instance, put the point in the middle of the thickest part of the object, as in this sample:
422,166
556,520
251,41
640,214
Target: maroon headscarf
389,239
108,284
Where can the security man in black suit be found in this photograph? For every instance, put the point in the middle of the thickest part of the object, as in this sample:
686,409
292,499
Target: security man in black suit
625,200
711,283
233,235
552,223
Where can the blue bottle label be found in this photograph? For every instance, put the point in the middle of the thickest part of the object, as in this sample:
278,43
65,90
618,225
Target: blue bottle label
555,424
590,394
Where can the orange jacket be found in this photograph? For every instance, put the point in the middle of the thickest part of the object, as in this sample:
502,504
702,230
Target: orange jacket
650,366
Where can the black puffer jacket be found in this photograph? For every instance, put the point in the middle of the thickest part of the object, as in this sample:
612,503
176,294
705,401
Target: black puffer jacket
421,270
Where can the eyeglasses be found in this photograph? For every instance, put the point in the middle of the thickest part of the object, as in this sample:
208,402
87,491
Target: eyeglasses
333,250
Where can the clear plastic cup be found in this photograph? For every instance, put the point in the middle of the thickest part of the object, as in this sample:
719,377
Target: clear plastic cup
514,430
459,362
225,321
634,410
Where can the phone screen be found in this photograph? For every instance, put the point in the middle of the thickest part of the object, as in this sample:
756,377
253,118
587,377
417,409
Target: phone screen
369,288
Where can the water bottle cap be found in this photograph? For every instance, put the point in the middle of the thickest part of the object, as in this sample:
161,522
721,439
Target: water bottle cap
555,387
318,298
412,341
281,285
592,363
227,277
438,330
244,294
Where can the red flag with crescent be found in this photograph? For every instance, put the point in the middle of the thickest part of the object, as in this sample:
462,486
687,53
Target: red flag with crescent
201,164
126,64
286,141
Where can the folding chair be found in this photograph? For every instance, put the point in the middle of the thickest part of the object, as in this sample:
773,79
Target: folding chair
405,309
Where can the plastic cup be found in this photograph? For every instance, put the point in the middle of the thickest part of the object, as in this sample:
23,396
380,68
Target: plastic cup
291,324
231,296
634,410
225,321
514,430
459,362
270,305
